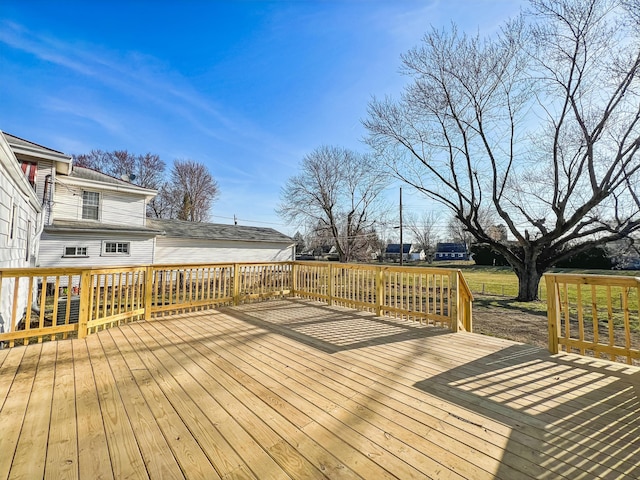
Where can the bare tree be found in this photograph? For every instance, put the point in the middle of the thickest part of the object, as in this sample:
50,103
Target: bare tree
192,191
146,170
424,230
339,192
539,125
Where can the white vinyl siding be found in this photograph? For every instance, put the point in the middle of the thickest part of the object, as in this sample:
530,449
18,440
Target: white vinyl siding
115,208
186,250
123,209
52,248
18,227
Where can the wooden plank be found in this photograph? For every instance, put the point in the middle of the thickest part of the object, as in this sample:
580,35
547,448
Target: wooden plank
324,420
253,428
288,425
162,436
31,450
93,451
15,405
62,445
393,369
158,457
125,456
189,399
12,360
340,389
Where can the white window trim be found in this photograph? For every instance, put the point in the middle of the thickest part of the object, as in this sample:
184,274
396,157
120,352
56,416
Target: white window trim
104,253
99,206
65,255
13,222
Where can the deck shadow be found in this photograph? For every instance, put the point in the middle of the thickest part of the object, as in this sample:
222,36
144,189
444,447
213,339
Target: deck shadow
328,328
573,416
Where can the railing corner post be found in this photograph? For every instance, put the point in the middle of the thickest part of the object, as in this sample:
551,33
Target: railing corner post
454,296
85,298
552,312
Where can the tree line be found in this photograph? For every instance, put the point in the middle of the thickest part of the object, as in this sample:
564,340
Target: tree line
186,192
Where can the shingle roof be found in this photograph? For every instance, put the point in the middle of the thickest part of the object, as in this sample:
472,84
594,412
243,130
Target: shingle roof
395,248
451,247
96,176
12,139
217,231
91,227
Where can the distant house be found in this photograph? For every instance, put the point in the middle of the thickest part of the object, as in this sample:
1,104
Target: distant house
392,252
451,251
188,242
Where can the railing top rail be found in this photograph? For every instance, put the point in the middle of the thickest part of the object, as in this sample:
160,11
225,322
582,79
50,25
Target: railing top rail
373,266
40,272
590,279
170,266
465,285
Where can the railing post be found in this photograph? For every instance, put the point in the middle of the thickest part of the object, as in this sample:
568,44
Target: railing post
379,290
294,278
466,303
85,297
453,301
553,310
330,283
236,285
148,292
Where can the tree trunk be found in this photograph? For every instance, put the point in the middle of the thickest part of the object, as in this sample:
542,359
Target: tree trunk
528,282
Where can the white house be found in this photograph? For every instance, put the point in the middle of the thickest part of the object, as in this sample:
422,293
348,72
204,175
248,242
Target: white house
93,219
21,222
97,220
188,242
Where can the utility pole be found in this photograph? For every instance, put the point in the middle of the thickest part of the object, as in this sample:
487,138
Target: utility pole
401,244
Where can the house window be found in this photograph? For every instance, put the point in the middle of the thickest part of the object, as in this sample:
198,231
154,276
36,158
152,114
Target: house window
12,223
27,254
90,205
115,248
75,252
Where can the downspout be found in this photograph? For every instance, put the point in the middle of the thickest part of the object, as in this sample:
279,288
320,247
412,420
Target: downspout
42,221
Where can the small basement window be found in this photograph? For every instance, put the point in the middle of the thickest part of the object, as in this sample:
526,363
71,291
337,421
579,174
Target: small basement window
116,248
75,252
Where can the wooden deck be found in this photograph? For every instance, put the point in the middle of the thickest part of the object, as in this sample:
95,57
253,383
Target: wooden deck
297,389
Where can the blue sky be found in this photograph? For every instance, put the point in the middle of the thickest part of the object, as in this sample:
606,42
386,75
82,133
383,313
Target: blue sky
246,87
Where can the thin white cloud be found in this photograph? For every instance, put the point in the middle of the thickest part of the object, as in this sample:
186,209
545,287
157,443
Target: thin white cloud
143,79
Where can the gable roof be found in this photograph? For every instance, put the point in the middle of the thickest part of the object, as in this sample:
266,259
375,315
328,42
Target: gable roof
87,176
217,231
395,248
23,147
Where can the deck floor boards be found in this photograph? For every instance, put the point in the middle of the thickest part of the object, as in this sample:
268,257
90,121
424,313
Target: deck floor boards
297,389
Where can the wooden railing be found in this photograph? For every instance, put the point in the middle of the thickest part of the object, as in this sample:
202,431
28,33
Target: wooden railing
594,314
429,295
40,304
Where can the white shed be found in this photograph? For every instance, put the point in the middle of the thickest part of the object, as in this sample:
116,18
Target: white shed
191,242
